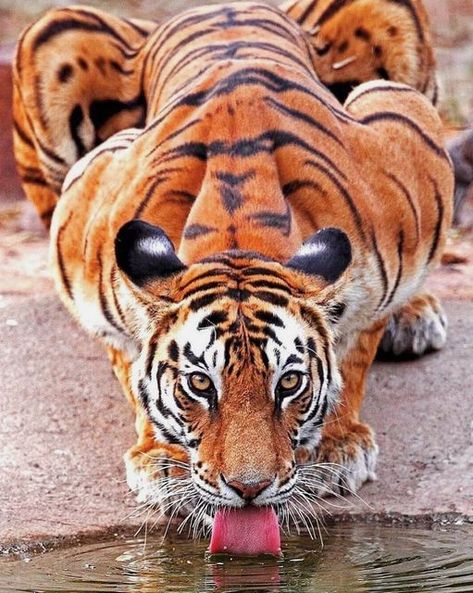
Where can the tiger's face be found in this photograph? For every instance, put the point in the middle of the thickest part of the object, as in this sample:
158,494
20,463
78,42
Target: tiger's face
238,367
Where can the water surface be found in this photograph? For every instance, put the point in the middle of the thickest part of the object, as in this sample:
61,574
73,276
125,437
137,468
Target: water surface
354,559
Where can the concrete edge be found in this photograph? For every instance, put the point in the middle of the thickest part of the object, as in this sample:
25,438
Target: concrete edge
40,544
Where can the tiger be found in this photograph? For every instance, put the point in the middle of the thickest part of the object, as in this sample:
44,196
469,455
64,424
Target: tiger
239,240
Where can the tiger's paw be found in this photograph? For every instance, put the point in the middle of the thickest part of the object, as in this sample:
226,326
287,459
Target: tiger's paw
343,462
155,471
420,326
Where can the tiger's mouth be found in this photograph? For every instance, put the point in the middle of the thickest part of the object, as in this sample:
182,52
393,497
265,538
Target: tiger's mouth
250,530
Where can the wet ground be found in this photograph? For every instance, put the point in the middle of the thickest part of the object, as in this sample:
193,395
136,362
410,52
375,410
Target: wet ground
354,559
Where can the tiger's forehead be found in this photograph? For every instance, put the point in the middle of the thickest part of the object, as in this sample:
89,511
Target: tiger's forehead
229,273
210,336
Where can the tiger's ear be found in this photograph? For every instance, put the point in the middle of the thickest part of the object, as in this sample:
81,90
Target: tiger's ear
327,254
144,252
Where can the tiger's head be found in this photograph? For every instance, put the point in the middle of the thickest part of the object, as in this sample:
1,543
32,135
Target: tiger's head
236,361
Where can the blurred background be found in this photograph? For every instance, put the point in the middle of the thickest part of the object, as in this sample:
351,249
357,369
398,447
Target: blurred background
23,245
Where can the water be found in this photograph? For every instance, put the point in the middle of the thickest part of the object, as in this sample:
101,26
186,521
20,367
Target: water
354,559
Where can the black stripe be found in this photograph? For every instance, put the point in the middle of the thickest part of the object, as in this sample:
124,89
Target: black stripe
22,134
75,119
301,116
214,319
107,313
438,224
202,287
223,51
62,268
166,413
312,349
193,231
259,271
293,186
161,178
138,29
234,180
259,77
400,255
409,199
410,7
268,317
232,198
267,142
381,268
143,396
203,301
50,153
118,307
274,220
332,10
104,25
345,194
293,359
173,351
303,16
206,274
152,345
264,283
392,116
174,134
120,69
101,110
381,89
34,180
57,27
167,435
271,297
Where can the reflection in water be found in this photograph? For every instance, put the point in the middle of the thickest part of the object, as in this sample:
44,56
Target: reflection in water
355,559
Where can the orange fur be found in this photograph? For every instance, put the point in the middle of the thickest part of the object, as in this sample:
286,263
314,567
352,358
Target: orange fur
360,40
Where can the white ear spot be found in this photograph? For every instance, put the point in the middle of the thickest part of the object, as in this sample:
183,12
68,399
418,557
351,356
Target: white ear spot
154,246
311,249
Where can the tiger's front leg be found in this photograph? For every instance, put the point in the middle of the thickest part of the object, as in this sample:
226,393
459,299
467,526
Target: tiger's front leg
347,453
418,327
157,472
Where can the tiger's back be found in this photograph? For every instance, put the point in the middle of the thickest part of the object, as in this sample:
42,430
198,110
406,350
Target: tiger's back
244,149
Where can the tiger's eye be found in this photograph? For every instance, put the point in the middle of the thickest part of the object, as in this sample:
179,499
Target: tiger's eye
290,381
200,382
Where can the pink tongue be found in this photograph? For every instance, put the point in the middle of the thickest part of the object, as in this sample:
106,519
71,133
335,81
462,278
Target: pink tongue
246,531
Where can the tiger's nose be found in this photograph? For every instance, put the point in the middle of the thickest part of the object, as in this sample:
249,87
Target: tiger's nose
248,490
